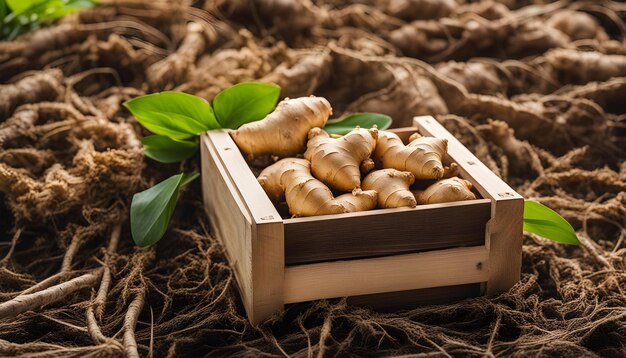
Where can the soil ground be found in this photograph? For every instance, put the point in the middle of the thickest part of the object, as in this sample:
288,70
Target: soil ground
536,90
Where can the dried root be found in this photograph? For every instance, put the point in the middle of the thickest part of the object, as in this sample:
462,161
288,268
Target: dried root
582,67
476,77
577,25
50,295
130,321
176,68
44,86
408,95
302,77
417,9
460,39
522,155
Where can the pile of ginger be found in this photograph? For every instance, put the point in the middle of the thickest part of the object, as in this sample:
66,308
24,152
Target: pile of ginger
367,168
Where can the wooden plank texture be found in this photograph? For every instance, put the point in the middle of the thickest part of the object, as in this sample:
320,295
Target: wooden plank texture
256,246
404,133
257,203
228,219
386,274
504,230
386,232
488,184
268,270
405,300
504,240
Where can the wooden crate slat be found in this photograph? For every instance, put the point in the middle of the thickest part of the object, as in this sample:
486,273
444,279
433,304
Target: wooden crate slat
386,274
228,217
259,261
504,231
405,300
258,204
386,232
504,240
488,184
268,270
404,133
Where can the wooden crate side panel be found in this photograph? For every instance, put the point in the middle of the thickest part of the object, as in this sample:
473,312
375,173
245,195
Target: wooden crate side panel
386,274
266,242
256,201
504,230
268,261
404,300
487,183
228,219
504,239
404,133
386,232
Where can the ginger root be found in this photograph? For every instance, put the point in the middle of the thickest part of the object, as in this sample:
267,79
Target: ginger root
338,162
283,133
422,156
392,187
445,191
307,196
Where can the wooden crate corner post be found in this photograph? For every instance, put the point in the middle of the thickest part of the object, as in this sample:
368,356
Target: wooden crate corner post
504,230
246,223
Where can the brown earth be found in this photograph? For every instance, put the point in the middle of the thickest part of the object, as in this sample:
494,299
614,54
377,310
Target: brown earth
70,160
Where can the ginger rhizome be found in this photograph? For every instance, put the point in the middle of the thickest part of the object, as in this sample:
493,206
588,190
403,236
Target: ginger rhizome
444,191
284,132
338,162
422,156
392,187
344,165
307,196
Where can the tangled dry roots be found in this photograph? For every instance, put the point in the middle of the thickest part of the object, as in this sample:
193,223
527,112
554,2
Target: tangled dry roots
539,98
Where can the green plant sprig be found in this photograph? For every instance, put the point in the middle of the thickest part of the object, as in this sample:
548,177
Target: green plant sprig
176,119
20,16
545,222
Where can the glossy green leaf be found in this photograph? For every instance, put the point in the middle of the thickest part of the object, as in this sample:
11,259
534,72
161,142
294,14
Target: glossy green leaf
152,209
545,222
3,11
174,114
54,9
28,15
166,150
244,103
344,125
19,6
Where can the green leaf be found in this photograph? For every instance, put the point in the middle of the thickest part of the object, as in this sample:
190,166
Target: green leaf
3,11
166,150
344,125
18,6
545,222
54,9
244,103
28,15
174,114
151,209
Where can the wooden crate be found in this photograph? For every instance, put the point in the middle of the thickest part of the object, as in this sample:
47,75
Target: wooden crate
385,256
